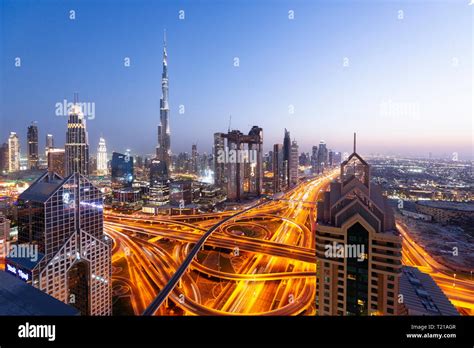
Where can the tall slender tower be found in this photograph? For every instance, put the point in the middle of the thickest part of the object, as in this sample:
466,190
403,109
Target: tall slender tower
13,153
49,144
163,149
32,137
102,157
287,157
77,145
194,159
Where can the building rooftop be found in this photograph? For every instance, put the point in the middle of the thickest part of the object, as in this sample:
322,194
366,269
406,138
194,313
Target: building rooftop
26,262
460,206
43,188
421,295
20,298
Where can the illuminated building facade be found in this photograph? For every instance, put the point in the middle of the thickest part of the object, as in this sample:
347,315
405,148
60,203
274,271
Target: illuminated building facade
121,170
279,182
219,168
294,161
102,157
13,153
64,219
322,158
163,149
32,138
358,248
238,163
4,157
56,161
49,144
159,192
77,145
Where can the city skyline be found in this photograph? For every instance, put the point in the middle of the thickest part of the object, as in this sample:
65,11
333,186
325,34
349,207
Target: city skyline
394,115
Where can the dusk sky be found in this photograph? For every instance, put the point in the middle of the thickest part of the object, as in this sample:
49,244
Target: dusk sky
407,87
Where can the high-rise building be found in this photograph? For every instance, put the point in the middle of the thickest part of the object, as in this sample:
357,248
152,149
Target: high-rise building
358,248
163,149
13,153
77,144
49,144
56,161
4,158
336,159
238,163
254,171
32,138
294,161
181,193
4,229
102,157
287,156
279,182
121,170
314,159
159,193
219,166
64,219
322,160
194,159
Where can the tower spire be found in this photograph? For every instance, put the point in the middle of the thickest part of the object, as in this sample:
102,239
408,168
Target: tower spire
354,142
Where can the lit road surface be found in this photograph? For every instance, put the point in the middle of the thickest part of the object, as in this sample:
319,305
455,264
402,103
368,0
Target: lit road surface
170,286
459,291
266,289
277,277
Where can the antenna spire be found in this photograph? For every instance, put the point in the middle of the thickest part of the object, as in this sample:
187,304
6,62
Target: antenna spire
164,37
76,97
354,142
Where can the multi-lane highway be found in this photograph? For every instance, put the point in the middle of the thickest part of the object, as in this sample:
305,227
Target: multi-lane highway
276,276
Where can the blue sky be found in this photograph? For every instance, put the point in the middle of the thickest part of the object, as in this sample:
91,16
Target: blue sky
407,88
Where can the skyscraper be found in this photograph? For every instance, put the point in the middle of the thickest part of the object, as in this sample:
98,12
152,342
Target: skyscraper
64,219
287,156
122,170
13,153
49,144
238,163
314,159
194,159
56,161
102,157
322,160
358,248
163,149
4,158
32,138
77,144
219,167
294,161
279,183
159,183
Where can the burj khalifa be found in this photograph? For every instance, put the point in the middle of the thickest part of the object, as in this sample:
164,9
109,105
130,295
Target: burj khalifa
163,149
